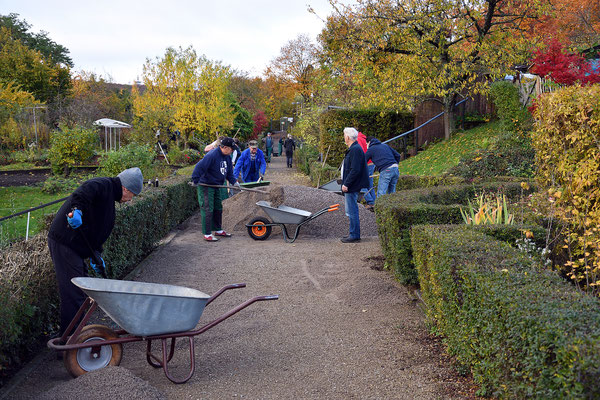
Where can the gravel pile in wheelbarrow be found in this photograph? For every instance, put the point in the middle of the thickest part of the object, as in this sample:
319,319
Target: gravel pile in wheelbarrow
114,383
241,208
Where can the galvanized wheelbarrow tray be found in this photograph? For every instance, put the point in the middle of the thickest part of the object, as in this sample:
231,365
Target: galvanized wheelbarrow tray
260,227
146,312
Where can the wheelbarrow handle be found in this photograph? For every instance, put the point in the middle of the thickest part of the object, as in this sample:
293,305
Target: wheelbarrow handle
224,288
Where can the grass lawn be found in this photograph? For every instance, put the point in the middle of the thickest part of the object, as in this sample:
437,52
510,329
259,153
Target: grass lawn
19,198
441,156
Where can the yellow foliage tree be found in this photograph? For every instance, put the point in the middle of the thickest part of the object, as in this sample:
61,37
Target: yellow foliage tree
183,91
392,54
12,99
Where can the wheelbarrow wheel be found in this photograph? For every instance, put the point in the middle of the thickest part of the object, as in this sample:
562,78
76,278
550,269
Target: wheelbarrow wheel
261,232
80,361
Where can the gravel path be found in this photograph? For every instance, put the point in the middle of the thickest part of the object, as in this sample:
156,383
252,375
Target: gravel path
342,328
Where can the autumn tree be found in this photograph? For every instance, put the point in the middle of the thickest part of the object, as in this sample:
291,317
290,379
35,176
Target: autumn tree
260,122
562,66
295,66
575,23
183,91
94,98
49,49
393,54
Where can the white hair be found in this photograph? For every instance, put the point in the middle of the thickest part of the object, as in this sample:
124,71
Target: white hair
351,133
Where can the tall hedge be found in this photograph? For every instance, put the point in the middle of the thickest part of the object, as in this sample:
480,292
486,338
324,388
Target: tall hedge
381,124
524,333
567,143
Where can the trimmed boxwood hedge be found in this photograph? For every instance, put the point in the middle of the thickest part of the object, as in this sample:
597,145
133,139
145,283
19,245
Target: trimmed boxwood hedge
523,332
141,225
396,213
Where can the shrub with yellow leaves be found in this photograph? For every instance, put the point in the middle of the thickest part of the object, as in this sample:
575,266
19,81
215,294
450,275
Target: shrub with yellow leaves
566,138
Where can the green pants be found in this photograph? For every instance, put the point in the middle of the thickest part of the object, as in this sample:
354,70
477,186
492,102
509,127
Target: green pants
211,208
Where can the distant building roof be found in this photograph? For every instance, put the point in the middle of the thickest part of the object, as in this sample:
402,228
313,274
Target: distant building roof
111,123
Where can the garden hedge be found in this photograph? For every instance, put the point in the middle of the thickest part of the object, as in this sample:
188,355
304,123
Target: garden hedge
28,292
523,332
396,213
381,124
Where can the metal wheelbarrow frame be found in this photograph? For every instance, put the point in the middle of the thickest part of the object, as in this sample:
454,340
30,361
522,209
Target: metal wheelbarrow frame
93,347
259,228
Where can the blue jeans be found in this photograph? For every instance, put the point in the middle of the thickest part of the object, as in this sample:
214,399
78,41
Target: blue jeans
370,191
388,178
352,213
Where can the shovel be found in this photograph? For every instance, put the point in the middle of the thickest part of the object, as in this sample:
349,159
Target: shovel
227,187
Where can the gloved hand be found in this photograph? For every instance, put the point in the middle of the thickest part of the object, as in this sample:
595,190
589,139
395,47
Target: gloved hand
74,218
100,267
261,177
236,185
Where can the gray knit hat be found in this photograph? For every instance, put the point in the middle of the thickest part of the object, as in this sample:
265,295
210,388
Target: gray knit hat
132,179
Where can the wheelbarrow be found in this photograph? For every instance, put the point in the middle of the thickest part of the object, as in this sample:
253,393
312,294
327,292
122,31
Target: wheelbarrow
260,227
145,312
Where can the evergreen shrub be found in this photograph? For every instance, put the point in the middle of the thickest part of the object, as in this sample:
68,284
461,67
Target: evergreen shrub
521,330
396,213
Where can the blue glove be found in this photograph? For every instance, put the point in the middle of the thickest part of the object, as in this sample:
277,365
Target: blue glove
99,268
74,221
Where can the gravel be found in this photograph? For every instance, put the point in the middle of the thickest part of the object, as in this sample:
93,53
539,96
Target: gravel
114,383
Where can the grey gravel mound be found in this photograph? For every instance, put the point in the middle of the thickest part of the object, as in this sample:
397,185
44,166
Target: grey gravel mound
241,209
114,383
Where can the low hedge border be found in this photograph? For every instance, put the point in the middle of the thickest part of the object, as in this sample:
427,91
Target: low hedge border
396,213
522,332
28,291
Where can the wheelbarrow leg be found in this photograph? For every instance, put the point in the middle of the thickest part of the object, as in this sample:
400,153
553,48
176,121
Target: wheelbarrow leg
192,361
286,236
150,357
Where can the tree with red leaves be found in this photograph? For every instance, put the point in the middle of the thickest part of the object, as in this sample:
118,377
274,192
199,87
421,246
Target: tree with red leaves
260,121
563,67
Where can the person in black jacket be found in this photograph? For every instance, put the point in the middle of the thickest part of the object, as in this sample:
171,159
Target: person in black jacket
386,162
354,178
290,146
79,230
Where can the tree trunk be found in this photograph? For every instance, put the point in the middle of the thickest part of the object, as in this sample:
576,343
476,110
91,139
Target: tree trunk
448,116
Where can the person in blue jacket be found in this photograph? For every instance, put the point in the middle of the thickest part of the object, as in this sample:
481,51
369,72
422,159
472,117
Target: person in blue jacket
213,170
251,163
386,162
354,178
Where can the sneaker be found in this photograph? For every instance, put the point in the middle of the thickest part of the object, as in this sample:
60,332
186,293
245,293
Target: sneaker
210,238
348,239
222,233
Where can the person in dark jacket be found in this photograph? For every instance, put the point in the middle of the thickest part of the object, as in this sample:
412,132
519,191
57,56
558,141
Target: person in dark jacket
213,170
290,146
269,146
354,178
79,230
386,162
251,164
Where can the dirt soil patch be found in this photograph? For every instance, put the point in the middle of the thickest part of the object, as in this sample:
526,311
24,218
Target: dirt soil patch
341,329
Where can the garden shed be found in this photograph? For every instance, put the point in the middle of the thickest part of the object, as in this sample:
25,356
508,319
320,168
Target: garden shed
112,132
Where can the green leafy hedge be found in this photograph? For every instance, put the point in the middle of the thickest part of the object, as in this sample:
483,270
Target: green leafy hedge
381,124
142,224
523,332
28,292
396,213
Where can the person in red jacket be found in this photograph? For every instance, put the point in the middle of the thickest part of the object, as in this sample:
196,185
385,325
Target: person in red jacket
369,193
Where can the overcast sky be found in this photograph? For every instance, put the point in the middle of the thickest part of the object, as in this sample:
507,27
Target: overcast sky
114,37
